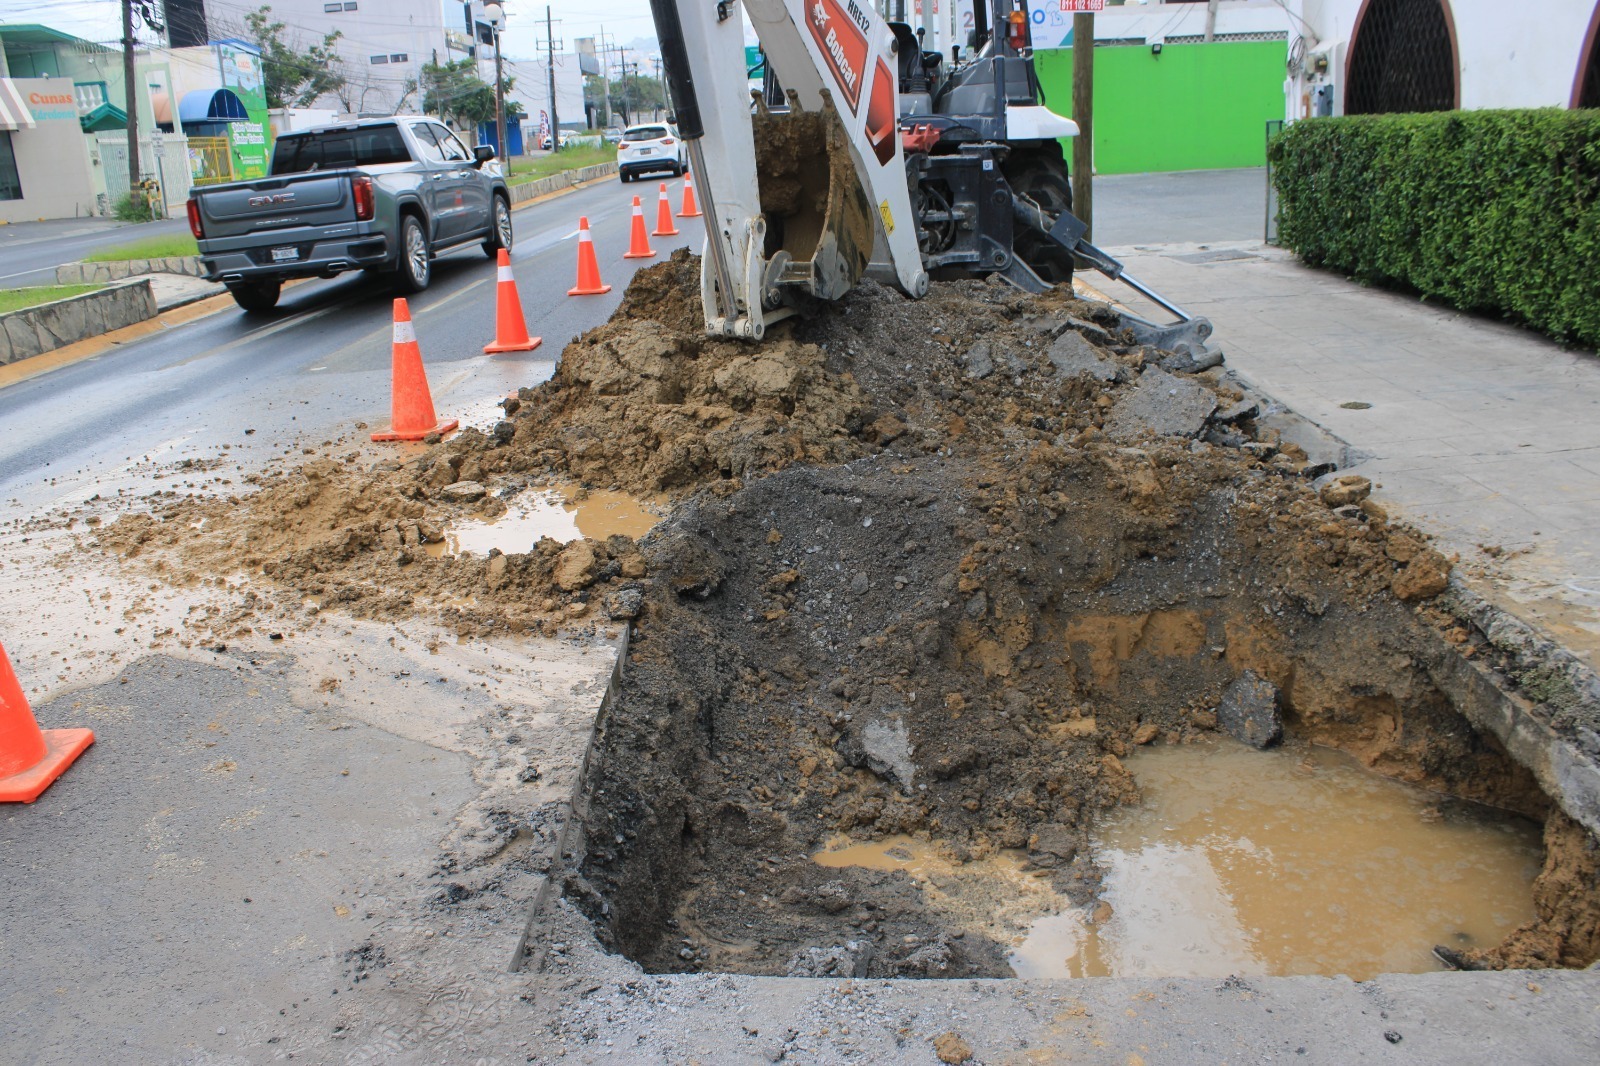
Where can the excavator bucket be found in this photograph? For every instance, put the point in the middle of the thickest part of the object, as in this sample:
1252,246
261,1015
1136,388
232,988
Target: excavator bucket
819,221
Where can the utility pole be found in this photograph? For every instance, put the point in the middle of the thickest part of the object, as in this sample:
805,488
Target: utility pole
129,88
1083,115
1211,20
550,67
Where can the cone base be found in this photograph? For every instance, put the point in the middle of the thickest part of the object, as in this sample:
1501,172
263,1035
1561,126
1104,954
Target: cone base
62,746
651,254
442,428
526,346
690,214
600,290
664,233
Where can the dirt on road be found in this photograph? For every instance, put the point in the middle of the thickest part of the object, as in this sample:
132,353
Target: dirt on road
933,568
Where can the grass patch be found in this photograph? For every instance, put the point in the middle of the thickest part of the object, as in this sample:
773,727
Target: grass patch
32,295
569,158
172,246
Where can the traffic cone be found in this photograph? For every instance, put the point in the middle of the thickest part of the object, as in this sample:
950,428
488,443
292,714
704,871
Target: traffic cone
411,408
690,208
639,246
664,224
589,283
30,758
510,326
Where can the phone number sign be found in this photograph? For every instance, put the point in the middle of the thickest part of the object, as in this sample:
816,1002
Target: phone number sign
1076,6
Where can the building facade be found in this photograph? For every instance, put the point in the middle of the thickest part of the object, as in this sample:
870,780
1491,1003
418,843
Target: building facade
382,45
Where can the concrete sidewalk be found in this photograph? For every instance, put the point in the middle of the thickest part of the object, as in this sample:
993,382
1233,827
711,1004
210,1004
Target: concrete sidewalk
1484,434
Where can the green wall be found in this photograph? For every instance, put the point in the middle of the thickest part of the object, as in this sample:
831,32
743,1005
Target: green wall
1193,107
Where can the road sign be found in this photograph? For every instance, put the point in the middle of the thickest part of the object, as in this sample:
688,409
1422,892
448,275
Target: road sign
1075,6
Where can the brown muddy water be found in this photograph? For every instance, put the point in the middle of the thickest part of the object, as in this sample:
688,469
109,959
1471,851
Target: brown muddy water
562,513
1283,862
1286,862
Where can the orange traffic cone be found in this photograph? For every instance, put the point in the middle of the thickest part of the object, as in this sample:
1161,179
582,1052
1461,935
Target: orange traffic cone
510,326
639,246
411,409
664,224
589,283
690,208
30,758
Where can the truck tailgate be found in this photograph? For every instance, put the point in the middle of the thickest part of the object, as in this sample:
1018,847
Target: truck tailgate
276,203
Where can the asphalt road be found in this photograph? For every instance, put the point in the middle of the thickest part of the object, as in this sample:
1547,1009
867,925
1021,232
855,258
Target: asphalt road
31,251
320,364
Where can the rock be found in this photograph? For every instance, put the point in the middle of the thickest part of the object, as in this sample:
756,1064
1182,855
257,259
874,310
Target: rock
849,959
1052,845
464,492
1072,356
887,748
1249,711
979,363
575,567
624,604
1424,577
951,1048
1146,733
1236,411
928,961
504,431
1160,405
1093,333
1375,512
1345,489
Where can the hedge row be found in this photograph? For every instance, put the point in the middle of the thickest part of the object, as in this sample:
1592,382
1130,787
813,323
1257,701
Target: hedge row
1492,211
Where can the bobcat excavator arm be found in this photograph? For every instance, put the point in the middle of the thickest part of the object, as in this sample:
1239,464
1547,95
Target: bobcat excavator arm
830,187
802,203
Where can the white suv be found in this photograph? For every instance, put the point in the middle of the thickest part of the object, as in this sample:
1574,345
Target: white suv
653,146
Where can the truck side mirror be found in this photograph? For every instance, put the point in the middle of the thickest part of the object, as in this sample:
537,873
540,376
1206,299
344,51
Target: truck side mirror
481,155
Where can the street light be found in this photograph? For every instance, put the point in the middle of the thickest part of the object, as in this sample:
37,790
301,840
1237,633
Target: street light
496,14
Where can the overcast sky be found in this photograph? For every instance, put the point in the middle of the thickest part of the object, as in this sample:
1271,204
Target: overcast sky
623,20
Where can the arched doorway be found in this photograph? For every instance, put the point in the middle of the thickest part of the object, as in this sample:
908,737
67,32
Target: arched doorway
1586,89
1402,58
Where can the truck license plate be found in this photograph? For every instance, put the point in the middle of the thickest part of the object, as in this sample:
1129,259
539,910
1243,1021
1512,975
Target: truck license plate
281,254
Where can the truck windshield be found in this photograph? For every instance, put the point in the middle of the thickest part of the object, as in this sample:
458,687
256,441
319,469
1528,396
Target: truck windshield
364,146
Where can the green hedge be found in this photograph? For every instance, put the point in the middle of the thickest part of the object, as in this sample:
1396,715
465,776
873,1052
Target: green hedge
1492,211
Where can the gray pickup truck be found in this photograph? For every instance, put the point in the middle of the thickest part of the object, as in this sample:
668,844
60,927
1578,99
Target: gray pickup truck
381,195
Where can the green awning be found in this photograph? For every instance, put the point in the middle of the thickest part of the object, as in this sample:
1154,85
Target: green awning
103,118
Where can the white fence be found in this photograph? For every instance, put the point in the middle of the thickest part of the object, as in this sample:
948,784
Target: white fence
171,170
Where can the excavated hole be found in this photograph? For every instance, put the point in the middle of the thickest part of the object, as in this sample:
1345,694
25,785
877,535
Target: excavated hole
894,720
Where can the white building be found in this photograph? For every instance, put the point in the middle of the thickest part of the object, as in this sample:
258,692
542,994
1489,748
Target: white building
382,45
1360,56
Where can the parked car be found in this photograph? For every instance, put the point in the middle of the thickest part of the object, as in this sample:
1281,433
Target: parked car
547,144
612,135
384,195
650,147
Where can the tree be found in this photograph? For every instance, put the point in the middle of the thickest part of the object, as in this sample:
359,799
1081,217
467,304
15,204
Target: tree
291,76
453,90
637,93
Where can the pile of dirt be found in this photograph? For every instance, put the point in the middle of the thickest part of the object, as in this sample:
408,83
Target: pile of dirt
934,566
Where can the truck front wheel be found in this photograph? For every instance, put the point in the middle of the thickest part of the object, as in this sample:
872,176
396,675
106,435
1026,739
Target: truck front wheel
415,266
256,297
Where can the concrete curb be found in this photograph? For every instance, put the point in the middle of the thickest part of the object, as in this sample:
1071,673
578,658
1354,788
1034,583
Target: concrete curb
567,179
35,330
117,270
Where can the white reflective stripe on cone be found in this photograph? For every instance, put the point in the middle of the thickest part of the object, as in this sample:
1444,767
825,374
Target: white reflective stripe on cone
503,273
405,333
584,238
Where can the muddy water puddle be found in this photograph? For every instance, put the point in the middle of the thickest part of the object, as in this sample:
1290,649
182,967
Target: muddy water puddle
1268,863
562,513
